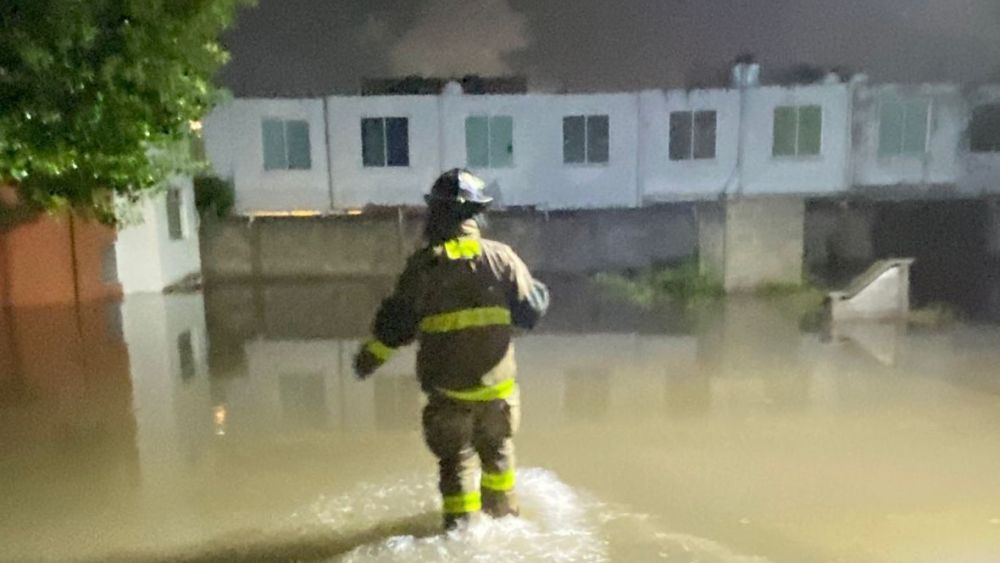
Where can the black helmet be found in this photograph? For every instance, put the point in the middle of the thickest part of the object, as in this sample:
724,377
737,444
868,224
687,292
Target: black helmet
459,186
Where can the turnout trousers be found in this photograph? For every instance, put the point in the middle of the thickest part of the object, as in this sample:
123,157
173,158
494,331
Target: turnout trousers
473,442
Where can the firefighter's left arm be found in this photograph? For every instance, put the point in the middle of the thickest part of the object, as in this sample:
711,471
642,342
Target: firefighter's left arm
529,299
395,322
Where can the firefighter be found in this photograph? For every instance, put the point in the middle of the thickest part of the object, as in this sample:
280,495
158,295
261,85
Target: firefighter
462,297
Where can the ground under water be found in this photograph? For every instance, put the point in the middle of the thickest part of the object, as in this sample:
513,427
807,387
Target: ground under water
228,426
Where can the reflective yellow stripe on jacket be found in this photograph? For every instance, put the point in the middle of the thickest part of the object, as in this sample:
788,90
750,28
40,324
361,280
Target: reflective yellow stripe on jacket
465,318
502,390
463,248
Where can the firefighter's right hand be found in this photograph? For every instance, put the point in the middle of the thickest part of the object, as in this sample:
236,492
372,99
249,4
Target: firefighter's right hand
365,364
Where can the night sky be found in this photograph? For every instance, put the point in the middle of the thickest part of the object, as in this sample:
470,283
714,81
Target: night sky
313,47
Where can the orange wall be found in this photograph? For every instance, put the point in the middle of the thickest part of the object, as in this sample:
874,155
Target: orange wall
36,262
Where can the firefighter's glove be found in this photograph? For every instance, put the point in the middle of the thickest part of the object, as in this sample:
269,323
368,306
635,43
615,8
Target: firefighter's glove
365,364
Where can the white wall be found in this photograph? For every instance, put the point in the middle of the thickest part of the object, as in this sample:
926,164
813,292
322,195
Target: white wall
639,169
234,144
764,173
664,179
939,165
355,185
539,176
148,260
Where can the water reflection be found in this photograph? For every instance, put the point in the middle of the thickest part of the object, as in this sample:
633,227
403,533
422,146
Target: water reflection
199,417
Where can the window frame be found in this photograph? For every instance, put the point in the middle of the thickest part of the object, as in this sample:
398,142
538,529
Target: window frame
489,118
797,154
285,123
384,122
182,231
693,135
903,103
586,140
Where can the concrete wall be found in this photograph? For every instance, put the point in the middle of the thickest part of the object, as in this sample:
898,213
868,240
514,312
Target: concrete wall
881,293
763,242
234,144
148,260
377,244
56,260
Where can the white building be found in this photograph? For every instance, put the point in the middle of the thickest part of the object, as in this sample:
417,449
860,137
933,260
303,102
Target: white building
163,248
559,151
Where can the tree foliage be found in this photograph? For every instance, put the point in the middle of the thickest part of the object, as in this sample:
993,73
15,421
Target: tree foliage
97,96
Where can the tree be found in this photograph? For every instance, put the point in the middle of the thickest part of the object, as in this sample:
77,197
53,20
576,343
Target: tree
97,96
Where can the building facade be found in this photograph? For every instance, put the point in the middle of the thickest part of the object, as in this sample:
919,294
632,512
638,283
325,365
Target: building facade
163,249
569,151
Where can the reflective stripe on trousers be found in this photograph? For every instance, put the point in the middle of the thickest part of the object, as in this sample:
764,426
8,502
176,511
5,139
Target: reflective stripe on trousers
465,318
463,503
484,393
498,482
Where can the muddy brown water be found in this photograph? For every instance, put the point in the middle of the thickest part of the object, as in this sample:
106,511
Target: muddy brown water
228,427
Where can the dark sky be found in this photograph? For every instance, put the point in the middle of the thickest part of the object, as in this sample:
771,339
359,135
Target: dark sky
311,47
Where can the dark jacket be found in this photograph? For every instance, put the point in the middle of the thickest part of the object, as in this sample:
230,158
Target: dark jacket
462,299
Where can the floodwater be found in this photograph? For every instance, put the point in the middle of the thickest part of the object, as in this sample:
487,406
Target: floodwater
228,427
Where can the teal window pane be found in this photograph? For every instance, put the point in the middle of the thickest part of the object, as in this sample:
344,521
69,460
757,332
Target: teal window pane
890,137
373,142
299,150
915,127
785,131
598,129
574,144
477,147
502,141
274,145
810,130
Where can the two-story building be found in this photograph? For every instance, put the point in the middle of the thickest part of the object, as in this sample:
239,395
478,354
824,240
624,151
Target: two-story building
567,151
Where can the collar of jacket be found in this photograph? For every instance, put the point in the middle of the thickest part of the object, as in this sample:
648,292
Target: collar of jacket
468,229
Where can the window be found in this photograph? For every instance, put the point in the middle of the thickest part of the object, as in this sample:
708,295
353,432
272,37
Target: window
175,222
798,130
385,141
984,131
185,350
903,127
286,145
585,139
489,141
692,135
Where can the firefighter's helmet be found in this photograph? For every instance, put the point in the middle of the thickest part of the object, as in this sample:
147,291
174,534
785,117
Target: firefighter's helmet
459,186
